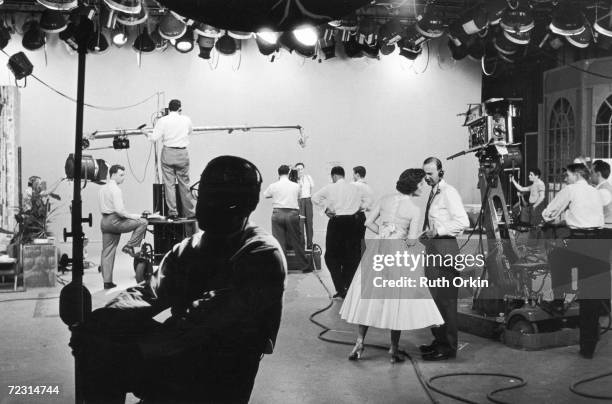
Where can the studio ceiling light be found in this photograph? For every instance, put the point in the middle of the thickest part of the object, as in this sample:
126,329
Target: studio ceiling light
185,43
133,19
226,45
306,35
582,40
33,37
5,35
206,45
119,36
125,6
240,35
603,25
567,19
62,5
267,42
144,43
52,22
98,43
520,38
431,24
207,30
495,9
390,32
160,43
519,19
171,27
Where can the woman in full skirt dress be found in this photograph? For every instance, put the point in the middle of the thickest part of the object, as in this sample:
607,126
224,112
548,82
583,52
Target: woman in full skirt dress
393,308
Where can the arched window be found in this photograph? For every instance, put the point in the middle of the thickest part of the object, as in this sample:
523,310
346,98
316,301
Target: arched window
560,148
603,131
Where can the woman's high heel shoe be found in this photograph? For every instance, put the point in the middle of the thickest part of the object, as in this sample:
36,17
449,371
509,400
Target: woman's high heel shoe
357,352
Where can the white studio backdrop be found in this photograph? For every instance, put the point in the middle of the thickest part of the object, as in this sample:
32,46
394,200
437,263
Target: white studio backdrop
387,115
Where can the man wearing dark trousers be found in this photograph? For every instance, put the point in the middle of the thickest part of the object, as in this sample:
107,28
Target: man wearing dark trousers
359,174
306,184
445,218
174,130
224,287
582,206
342,201
286,216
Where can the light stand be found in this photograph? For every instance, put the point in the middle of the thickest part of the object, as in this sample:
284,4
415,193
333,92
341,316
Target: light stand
75,299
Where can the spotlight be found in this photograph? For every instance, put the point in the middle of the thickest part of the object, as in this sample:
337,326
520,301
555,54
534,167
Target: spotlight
171,28
368,32
352,48
521,38
121,142
206,45
408,49
125,6
33,37
582,40
370,51
474,21
144,43
603,25
387,49
240,35
185,43
62,5
328,44
495,9
306,35
52,22
267,42
226,45
207,30
133,19
519,19
391,32
567,19
119,36
98,43
430,23
503,45
20,65
5,35
160,43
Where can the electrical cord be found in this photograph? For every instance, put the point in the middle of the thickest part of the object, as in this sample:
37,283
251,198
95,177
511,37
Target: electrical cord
426,384
144,174
574,387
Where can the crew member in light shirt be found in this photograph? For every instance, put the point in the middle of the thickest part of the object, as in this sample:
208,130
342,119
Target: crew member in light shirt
174,130
342,202
582,208
115,221
306,184
286,216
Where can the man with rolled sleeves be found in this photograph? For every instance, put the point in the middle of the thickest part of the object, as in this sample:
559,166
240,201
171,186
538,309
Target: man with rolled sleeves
582,208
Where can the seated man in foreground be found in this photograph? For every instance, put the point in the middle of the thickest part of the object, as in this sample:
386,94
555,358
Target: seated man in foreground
224,287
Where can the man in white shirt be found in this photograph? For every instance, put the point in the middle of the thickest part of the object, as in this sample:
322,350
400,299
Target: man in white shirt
342,201
286,216
174,130
306,184
582,207
445,219
359,174
115,221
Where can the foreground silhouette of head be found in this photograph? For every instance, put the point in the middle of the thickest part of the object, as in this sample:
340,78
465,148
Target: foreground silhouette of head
228,193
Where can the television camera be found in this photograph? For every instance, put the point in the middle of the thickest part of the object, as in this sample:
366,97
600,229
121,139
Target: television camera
509,298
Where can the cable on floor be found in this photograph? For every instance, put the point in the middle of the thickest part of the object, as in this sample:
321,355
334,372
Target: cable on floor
574,387
426,384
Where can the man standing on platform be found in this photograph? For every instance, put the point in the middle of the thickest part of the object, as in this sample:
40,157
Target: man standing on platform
342,202
306,184
286,216
174,130
445,219
115,221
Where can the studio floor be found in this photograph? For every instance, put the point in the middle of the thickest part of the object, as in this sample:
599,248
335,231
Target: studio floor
303,369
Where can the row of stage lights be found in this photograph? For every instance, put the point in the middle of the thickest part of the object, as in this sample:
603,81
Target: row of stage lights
507,25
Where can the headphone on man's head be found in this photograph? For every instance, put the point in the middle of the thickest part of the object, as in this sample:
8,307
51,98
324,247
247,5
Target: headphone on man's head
438,165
